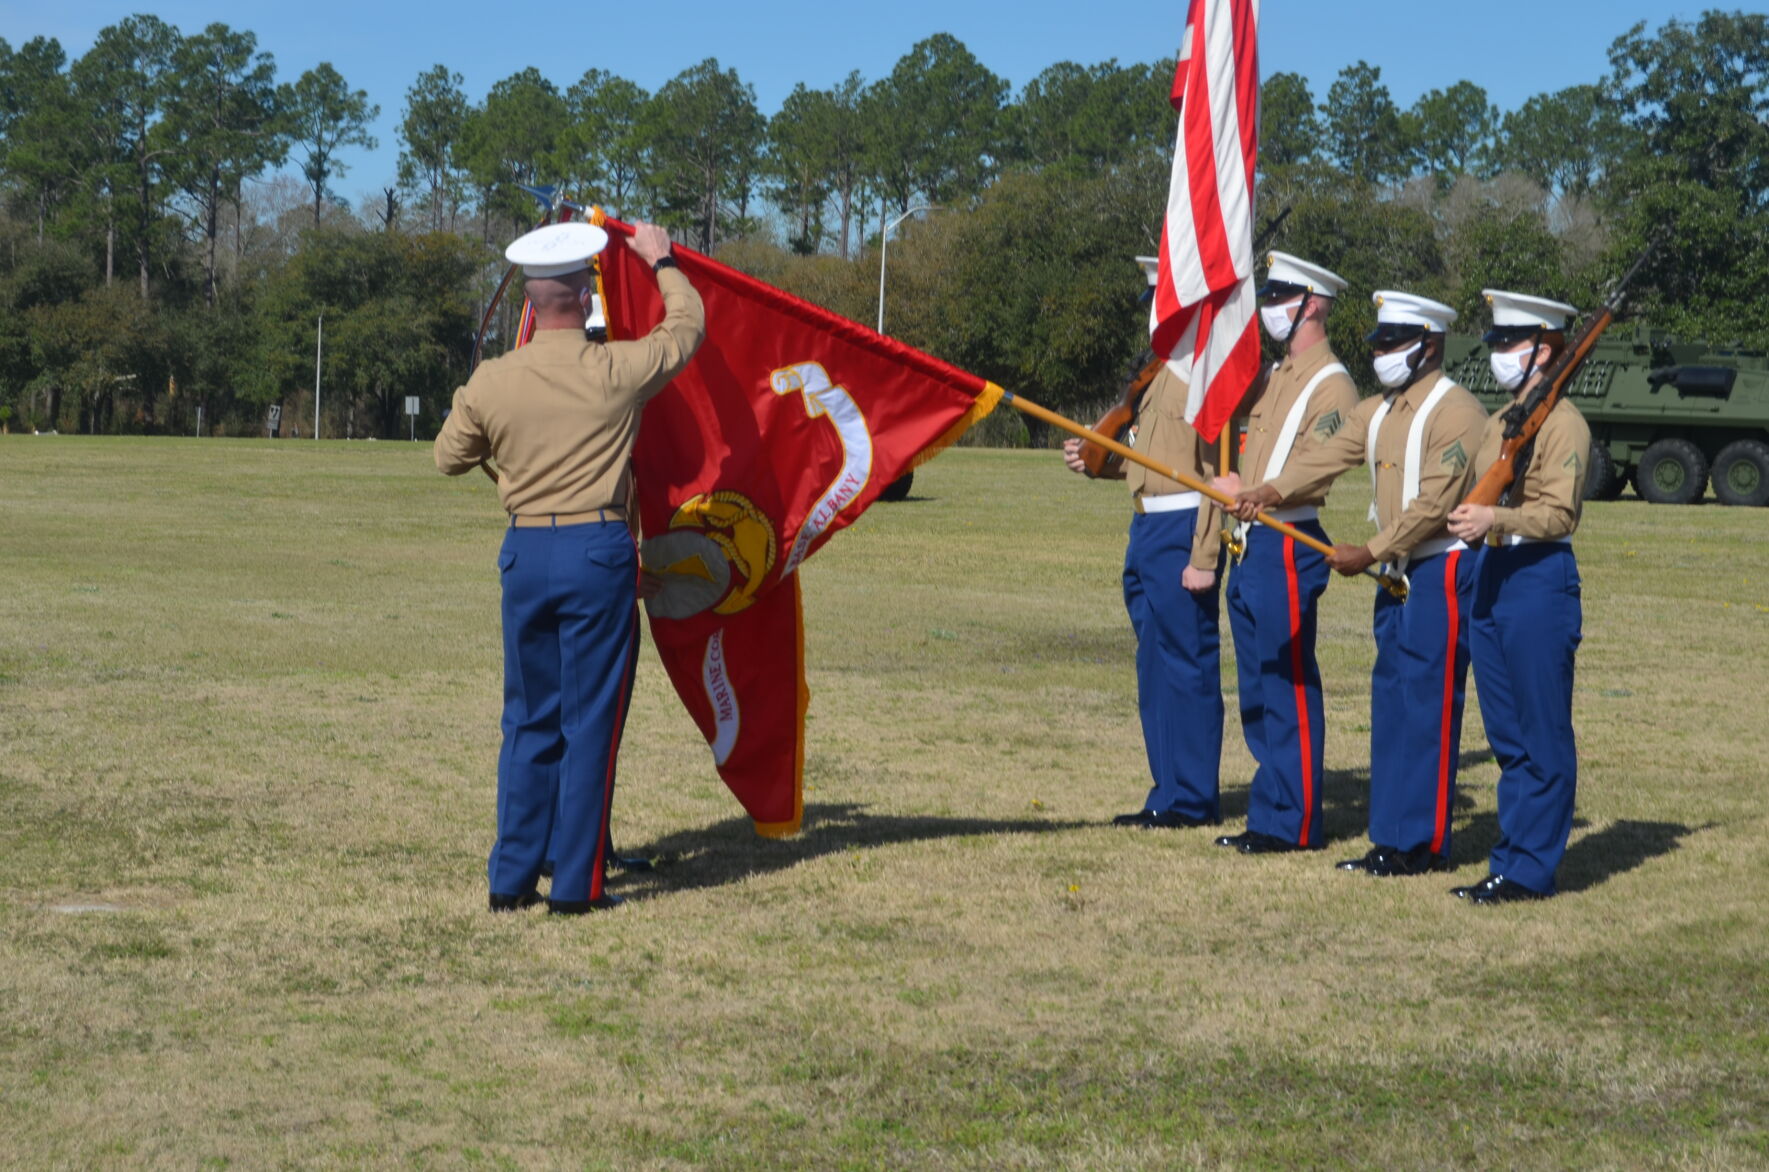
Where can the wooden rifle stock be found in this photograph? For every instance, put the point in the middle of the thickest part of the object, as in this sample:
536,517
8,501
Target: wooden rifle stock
1526,417
1116,422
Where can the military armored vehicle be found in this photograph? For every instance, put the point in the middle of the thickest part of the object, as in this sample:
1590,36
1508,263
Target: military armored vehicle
1665,416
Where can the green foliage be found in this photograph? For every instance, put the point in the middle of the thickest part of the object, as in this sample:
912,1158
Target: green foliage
1083,117
137,185
1451,130
221,111
934,124
1566,141
804,139
1289,131
1496,250
509,141
434,122
324,116
1362,127
122,84
1372,243
1036,289
397,323
705,137
1697,97
600,154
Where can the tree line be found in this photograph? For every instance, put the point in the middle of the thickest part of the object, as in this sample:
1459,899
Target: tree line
171,232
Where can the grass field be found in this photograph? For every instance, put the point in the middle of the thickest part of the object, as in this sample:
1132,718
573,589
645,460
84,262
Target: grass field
248,720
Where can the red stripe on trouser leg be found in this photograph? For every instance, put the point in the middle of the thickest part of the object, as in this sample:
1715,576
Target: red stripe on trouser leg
1302,729
620,716
1453,621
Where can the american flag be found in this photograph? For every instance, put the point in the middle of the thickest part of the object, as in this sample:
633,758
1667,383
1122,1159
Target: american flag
1204,319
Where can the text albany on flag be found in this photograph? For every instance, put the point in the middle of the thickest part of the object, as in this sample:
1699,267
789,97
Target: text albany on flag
786,425
1204,315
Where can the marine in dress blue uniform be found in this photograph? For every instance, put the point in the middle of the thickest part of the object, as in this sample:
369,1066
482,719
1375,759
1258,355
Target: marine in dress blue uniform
1171,566
1419,439
1275,585
1527,614
559,416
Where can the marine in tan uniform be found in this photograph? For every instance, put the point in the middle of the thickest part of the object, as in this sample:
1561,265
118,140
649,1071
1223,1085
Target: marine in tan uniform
1527,616
1420,439
1275,586
1171,564
559,417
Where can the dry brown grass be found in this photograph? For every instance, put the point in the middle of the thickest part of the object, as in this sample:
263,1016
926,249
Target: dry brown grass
248,696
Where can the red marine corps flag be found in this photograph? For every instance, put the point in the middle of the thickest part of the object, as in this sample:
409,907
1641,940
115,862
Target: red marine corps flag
1204,319
786,425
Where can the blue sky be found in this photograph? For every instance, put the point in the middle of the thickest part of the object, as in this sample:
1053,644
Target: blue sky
1514,48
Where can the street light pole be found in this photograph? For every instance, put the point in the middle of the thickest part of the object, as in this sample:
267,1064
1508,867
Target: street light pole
318,347
884,243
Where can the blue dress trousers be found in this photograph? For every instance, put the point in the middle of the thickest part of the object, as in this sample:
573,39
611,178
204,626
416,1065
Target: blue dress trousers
1272,599
1416,694
1178,665
1527,620
570,642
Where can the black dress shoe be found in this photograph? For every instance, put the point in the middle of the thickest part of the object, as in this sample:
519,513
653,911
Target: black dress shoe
514,903
1497,889
1140,818
1418,861
631,863
1377,855
1256,842
582,907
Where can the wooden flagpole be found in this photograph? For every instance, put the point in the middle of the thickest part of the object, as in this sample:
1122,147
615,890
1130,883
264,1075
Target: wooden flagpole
1395,586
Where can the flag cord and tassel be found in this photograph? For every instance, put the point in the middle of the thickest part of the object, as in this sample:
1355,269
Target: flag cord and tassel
1393,585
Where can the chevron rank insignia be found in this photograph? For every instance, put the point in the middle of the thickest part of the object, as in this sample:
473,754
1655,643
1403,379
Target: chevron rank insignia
1456,456
1573,464
1328,425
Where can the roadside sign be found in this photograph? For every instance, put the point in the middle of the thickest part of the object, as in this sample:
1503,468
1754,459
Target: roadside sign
411,404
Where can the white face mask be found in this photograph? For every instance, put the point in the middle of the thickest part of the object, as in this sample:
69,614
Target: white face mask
1508,368
1396,370
1276,320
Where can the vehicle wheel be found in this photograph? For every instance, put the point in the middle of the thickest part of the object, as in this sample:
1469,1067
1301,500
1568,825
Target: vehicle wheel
1603,480
1672,472
1741,473
898,489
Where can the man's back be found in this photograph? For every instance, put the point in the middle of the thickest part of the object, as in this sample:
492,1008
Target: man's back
561,414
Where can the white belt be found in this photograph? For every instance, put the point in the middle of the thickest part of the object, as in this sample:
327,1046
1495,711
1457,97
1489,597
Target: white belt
1298,515
1514,539
1425,549
1430,549
1173,502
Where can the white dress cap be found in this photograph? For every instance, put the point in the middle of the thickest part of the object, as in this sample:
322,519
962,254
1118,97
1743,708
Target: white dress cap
1284,269
1394,308
1521,310
1151,268
557,250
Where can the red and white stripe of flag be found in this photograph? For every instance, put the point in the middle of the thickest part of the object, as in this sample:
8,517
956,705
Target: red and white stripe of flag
1205,319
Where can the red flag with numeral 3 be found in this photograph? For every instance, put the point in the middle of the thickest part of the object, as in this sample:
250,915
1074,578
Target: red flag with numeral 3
787,424
1205,318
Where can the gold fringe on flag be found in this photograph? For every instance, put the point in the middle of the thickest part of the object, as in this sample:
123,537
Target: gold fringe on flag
986,401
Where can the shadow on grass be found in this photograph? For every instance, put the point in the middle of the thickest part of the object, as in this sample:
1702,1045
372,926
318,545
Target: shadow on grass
729,851
1591,860
1617,849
